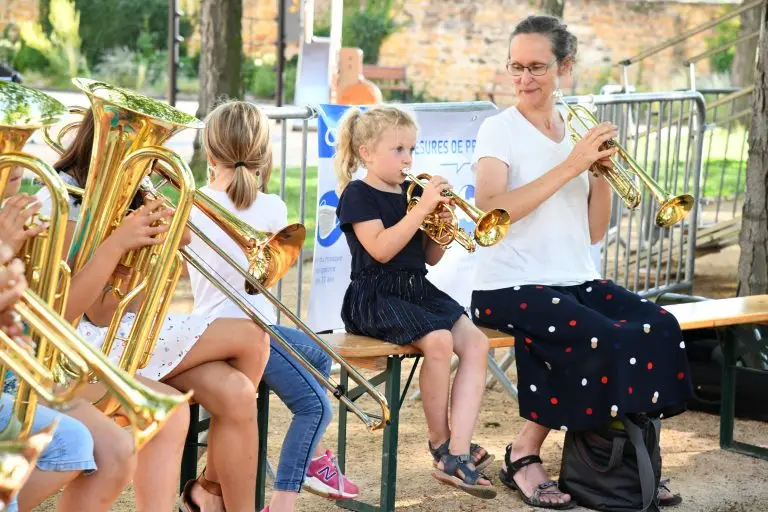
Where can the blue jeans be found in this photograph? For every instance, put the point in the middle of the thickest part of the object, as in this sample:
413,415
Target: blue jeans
71,448
305,397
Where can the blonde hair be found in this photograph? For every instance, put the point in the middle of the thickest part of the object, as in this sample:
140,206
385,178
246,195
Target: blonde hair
237,134
358,128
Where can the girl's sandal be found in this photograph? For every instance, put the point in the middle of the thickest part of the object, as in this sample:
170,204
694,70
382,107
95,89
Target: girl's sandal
457,473
475,449
548,488
187,503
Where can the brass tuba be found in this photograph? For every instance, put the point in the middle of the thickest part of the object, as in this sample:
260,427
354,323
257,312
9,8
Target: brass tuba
22,110
490,227
672,209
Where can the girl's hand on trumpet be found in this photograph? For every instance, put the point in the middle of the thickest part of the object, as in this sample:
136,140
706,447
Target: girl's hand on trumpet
12,287
14,215
432,196
141,227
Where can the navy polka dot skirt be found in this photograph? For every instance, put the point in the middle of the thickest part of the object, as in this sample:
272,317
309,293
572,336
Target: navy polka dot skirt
589,353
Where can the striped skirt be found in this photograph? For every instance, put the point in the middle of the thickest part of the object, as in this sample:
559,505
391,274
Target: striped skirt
396,305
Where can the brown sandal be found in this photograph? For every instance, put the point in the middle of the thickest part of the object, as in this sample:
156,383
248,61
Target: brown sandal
187,504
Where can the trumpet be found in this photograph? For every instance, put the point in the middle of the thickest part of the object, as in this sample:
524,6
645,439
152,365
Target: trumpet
18,459
490,227
672,209
128,130
60,360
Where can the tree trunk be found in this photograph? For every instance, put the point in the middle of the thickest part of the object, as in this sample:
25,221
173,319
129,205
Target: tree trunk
753,240
743,71
552,7
221,47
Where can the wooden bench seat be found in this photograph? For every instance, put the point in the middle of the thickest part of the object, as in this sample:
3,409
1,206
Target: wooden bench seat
720,312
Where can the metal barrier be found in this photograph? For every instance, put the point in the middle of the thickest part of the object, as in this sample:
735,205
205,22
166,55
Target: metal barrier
724,158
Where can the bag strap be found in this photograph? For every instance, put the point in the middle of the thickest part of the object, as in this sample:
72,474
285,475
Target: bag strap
617,453
644,467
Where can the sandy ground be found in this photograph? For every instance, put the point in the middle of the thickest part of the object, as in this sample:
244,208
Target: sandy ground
708,478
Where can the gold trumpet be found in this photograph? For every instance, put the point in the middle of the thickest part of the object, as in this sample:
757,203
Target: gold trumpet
18,459
39,368
672,209
490,227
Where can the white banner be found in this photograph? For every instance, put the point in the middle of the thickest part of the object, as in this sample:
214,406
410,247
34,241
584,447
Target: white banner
445,146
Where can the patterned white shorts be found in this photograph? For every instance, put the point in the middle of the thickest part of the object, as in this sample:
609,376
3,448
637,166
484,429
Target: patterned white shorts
178,335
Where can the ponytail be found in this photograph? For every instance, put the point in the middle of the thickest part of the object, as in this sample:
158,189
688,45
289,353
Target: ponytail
237,135
346,159
244,188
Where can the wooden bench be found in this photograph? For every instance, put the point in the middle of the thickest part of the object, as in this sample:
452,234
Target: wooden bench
724,315
499,89
386,358
387,78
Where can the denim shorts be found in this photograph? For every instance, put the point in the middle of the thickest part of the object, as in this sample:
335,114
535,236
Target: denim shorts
71,448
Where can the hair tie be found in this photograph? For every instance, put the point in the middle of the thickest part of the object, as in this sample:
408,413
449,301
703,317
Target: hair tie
239,164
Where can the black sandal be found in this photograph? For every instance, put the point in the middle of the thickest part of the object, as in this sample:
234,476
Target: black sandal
547,488
480,464
457,473
673,500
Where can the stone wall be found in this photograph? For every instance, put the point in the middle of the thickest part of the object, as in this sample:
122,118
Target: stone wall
16,11
453,48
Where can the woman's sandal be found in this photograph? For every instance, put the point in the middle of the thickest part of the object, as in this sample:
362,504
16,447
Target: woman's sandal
548,488
480,464
456,472
673,500
187,503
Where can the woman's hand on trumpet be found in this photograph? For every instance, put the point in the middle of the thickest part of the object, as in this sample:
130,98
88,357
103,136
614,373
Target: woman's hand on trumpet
141,227
590,149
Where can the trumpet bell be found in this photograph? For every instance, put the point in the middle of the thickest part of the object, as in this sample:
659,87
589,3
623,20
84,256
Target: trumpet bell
492,227
674,210
269,262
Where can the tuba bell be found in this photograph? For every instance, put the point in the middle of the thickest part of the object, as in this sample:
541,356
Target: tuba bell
672,209
490,227
54,343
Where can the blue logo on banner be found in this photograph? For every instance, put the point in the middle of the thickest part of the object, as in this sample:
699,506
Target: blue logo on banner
327,221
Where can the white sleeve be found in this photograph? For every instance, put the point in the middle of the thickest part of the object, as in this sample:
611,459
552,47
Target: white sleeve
493,140
46,204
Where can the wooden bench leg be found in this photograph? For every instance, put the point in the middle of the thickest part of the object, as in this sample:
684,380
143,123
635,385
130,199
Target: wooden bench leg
389,441
262,415
728,402
191,445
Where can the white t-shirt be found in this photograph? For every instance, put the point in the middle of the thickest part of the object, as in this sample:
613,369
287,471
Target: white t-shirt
551,245
46,205
267,213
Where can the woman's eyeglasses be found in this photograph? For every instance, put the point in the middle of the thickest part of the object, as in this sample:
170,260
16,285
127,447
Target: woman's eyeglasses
538,69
